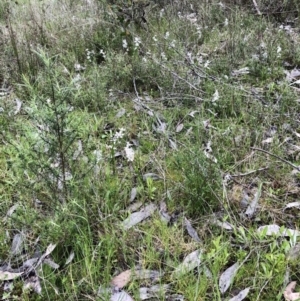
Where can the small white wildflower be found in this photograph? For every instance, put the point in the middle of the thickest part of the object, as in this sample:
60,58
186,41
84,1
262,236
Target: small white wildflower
124,44
215,96
167,35
172,44
118,135
161,13
144,60
154,38
102,53
76,80
207,64
192,17
129,152
189,55
226,22
137,42
278,50
199,59
199,30
163,56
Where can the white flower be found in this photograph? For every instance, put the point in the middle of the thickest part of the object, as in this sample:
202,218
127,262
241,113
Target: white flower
102,53
163,56
215,96
129,152
137,41
154,39
278,50
124,44
226,22
172,44
167,35
118,135
207,64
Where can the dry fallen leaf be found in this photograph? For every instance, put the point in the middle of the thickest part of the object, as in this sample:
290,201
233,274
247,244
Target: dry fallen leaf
241,295
8,276
179,127
147,274
133,194
172,144
289,294
268,140
192,114
253,205
70,258
134,206
153,291
17,244
51,263
33,282
225,225
122,279
190,262
276,230
151,175
120,296
139,216
294,252
227,277
120,113
240,71
192,232
292,205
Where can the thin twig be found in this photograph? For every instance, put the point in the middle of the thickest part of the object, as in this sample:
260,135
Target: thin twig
256,7
249,173
279,158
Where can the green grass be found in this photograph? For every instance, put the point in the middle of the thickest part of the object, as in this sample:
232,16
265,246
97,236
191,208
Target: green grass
63,153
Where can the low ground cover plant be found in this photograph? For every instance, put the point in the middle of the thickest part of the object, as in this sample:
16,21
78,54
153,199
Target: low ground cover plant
149,150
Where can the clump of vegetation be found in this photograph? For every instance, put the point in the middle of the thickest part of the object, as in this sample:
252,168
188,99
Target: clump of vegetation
150,150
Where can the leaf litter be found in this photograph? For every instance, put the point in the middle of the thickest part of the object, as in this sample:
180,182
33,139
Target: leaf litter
17,244
179,128
241,295
139,216
289,294
189,263
292,205
226,278
253,205
191,231
278,231
28,270
153,291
